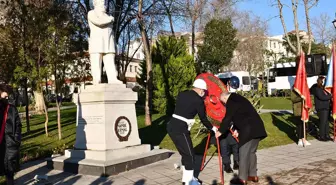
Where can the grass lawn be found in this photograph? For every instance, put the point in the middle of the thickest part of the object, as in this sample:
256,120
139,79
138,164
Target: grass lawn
50,105
36,144
278,103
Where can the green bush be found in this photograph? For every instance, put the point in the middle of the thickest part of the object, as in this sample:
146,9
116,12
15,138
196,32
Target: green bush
254,97
173,72
282,93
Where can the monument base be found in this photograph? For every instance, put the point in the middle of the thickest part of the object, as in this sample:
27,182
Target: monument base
107,155
107,137
106,168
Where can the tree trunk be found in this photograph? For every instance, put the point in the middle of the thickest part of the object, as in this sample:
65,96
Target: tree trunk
280,6
149,86
123,77
59,120
27,105
171,24
46,85
308,26
193,37
39,102
296,24
23,22
149,89
199,65
47,120
40,107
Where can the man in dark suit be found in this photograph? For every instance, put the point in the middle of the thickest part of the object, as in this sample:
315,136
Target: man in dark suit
250,130
322,100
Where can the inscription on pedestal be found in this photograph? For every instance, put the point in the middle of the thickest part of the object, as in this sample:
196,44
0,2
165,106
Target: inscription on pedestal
122,128
91,120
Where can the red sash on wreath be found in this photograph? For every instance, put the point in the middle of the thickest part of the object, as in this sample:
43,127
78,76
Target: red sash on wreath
3,126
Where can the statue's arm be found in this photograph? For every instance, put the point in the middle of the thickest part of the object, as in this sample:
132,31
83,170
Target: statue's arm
100,21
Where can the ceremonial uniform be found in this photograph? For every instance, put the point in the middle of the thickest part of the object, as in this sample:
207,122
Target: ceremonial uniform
188,104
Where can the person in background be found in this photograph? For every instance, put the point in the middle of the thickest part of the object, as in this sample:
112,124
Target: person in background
260,85
229,146
322,105
297,111
59,99
10,136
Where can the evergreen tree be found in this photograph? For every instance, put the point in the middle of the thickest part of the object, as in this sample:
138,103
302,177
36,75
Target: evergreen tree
174,71
219,44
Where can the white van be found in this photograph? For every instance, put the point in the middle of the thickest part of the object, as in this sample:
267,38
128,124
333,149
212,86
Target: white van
244,79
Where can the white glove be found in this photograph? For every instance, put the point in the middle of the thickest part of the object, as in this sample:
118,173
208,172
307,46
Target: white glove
214,129
235,133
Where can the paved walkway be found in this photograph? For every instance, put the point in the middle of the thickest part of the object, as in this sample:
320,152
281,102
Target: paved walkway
308,165
274,110
315,173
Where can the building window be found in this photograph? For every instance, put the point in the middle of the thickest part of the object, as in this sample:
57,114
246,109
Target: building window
138,55
136,69
131,68
274,45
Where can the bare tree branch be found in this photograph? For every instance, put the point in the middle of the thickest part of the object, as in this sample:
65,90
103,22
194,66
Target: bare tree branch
280,6
308,24
296,25
313,4
323,30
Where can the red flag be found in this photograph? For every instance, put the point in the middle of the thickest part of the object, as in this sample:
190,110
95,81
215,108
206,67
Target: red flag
333,53
301,87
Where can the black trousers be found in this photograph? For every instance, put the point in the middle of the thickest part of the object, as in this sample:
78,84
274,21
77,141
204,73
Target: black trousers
299,128
228,146
324,123
248,159
184,146
10,178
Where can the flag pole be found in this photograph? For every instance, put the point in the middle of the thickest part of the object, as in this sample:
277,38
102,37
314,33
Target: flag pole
334,131
304,124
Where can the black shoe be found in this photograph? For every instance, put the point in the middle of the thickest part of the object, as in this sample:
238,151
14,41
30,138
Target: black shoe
329,138
227,168
235,165
238,181
199,181
323,139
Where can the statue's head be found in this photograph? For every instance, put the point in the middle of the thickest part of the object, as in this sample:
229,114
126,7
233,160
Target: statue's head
99,5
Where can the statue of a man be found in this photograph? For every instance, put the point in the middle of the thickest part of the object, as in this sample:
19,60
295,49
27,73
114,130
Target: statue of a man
101,43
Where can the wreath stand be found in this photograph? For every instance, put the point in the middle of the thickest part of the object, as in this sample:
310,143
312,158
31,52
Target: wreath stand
219,157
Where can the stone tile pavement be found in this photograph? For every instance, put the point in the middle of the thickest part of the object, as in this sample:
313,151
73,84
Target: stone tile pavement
315,173
288,164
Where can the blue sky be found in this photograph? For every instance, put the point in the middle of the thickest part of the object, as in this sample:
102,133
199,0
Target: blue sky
267,10
264,9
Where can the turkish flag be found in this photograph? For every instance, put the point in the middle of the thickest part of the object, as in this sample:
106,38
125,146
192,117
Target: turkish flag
301,87
333,55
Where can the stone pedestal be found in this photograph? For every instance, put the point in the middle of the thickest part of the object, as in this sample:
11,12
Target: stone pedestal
107,132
